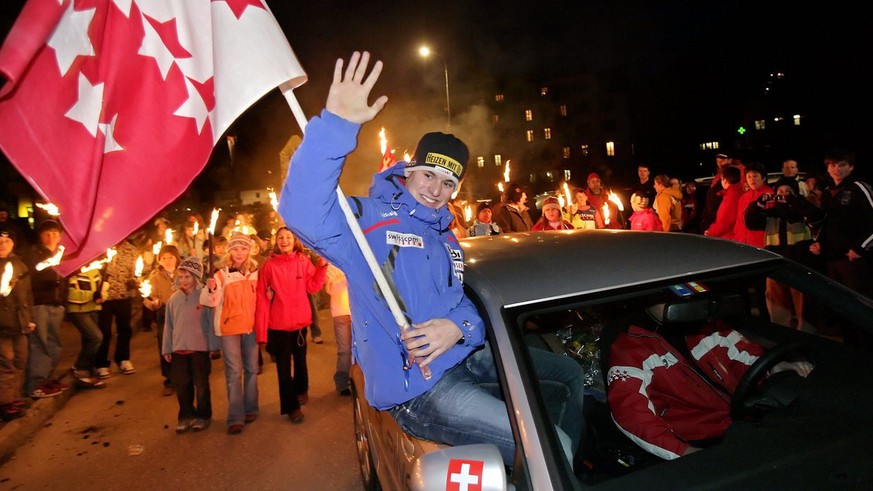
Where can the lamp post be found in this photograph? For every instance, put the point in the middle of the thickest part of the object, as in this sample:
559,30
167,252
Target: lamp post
425,52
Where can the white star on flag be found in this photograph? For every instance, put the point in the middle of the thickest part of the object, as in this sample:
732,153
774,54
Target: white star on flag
123,6
87,108
153,46
193,107
109,144
70,39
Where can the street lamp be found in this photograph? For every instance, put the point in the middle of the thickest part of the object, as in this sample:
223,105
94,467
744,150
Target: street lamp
425,52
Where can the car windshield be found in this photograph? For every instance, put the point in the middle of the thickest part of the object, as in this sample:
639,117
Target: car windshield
633,343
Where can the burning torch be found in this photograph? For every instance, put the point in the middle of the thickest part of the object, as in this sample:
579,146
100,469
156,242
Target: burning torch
211,237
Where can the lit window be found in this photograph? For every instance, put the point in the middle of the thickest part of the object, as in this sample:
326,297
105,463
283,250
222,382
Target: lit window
584,149
715,145
495,119
530,135
566,174
532,177
702,146
498,97
544,90
796,120
760,124
549,176
547,133
610,149
778,118
563,109
566,152
480,161
528,115
498,159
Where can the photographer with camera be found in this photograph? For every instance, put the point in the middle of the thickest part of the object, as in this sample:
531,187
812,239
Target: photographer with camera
784,218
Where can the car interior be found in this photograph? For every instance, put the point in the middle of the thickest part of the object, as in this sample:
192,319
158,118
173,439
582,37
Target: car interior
811,429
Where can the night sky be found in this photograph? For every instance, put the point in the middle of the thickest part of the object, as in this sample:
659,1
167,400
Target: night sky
678,61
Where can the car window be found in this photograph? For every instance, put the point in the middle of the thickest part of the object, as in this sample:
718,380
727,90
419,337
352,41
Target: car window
771,307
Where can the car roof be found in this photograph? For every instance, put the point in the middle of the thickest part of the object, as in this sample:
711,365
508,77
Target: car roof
531,267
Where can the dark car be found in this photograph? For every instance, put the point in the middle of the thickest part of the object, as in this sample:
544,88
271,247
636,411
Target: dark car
571,292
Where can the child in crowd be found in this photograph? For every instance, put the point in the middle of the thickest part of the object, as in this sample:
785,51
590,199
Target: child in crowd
84,299
583,215
16,300
338,289
283,314
231,292
552,218
644,218
187,342
163,281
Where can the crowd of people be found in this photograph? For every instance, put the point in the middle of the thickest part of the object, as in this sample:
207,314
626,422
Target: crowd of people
227,297
824,221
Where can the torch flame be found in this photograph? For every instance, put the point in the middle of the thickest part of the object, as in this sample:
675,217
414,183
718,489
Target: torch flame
567,196
168,236
137,271
406,157
468,213
145,289
49,208
500,186
605,214
615,199
506,173
110,253
212,221
274,201
94,265
156,249
196,227
383,141
6,280
52,261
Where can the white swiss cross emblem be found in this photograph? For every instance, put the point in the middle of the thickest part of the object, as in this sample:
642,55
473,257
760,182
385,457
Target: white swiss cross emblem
464,475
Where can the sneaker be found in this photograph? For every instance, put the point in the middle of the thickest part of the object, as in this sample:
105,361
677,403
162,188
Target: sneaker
55,383
235,429
103,373
251,417
45,391
90,382
296,416
303,399
200,424
183,426
126,367
317,340
169,390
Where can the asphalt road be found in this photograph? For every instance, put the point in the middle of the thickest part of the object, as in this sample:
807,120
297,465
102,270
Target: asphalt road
88,443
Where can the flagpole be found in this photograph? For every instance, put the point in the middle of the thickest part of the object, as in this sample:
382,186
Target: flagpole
355,227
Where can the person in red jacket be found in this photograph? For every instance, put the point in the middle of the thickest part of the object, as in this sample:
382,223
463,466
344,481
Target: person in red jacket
726,217
283,313
756,179
661,399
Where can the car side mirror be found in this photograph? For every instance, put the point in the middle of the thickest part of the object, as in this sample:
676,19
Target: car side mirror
466,465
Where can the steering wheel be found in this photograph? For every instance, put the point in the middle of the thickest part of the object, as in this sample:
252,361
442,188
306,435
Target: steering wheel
758,370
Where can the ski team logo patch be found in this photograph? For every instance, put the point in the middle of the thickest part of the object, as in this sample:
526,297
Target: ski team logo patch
404,240
458,262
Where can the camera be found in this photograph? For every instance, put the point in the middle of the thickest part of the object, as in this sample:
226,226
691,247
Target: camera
779,198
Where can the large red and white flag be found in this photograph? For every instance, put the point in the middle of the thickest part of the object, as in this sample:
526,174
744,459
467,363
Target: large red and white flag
112,107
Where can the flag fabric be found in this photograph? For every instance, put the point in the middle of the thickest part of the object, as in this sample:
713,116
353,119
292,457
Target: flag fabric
112,107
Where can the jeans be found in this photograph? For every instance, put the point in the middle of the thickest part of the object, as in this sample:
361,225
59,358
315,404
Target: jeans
44,344
465,406
160,315
190,374
289,347
121,310
240,354
342,329
86,323
314,328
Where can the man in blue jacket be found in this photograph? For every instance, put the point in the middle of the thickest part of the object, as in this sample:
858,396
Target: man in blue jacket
407,225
